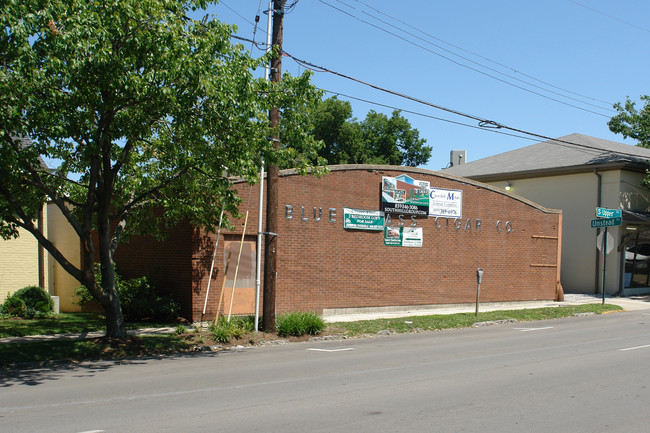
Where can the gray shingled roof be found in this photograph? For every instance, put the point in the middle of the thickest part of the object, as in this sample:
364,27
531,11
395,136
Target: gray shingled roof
567,153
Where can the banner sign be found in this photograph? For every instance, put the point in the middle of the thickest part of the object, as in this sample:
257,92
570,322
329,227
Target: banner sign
404,195
363,219
446,203
403,236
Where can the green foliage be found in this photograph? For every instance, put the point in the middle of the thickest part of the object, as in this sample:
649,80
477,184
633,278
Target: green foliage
58,324
378,139
140,300
632,123
13,306
180,329
78,350
225,331
29,302
142,109
299,323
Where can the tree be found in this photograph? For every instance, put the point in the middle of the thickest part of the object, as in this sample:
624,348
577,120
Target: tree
632,123
378,139
140,108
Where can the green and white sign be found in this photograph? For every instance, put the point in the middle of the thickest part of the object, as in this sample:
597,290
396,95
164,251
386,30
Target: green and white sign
606,222
602,212
363,219
403,236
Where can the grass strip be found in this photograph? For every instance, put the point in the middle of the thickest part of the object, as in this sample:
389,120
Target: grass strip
145,346
462,320
64,323
90,349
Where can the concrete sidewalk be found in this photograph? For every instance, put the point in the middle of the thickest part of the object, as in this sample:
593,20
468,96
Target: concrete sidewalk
355,314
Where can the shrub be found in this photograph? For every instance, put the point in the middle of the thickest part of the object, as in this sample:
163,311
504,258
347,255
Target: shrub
224,331
13,306
140,300
29,302
299,323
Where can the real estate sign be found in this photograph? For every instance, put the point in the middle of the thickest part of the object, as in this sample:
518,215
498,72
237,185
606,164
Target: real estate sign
403,236
404,195
363,219
447,203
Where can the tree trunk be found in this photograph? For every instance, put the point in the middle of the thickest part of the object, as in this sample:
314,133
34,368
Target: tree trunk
115,326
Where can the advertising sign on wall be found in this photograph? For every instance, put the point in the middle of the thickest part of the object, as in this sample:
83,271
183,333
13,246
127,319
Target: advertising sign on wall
404,195
403,236
363,219
446,203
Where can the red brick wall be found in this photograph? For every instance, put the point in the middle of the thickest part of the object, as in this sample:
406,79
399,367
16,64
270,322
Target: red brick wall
322,265
168,264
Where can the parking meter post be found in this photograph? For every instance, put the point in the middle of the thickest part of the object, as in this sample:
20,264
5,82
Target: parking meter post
479,276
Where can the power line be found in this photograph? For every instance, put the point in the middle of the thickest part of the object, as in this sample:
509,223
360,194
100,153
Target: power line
610,16
482,123
425,115
514,70
469,67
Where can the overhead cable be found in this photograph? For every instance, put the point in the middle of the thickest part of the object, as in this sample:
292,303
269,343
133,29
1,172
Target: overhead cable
514,70
473,68
485,124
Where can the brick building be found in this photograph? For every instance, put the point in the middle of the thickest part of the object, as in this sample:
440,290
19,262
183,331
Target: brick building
334,255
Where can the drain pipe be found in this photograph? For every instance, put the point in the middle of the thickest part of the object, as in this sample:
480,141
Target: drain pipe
598,204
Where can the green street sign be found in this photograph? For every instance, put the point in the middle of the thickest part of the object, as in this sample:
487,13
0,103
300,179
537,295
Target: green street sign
601,212
606,222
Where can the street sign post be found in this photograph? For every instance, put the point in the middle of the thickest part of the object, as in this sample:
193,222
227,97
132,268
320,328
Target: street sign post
606,222
602,212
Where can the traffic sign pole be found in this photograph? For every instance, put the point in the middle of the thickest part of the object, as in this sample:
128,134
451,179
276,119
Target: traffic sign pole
604,263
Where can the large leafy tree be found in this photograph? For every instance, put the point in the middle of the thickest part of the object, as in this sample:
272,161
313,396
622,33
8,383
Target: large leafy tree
139,109
378,139
631,122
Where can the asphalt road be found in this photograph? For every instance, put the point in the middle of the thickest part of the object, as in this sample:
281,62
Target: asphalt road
583,374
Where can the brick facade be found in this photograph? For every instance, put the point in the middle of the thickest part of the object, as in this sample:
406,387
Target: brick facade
321,265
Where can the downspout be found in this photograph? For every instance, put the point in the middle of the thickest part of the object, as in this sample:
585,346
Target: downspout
598,204
41,252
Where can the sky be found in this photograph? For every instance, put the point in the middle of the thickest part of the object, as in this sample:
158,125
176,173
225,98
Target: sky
548,68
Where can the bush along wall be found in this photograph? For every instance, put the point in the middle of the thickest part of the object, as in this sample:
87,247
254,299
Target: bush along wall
29,302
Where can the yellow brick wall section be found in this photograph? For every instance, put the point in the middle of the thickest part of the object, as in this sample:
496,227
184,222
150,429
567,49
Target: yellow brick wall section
18,263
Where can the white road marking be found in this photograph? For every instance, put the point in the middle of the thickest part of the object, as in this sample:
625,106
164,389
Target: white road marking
532,329
93,431
332,350
634,348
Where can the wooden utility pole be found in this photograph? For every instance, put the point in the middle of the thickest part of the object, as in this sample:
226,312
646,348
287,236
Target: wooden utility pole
271,245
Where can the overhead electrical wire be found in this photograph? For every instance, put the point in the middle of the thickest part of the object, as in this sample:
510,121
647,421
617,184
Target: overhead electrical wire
429,116
514,70
482,122
470,67
610,16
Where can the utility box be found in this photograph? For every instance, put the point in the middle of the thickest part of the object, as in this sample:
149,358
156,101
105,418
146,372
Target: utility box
457,157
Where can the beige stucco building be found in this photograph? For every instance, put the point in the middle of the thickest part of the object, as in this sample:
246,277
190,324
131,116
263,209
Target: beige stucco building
577,174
